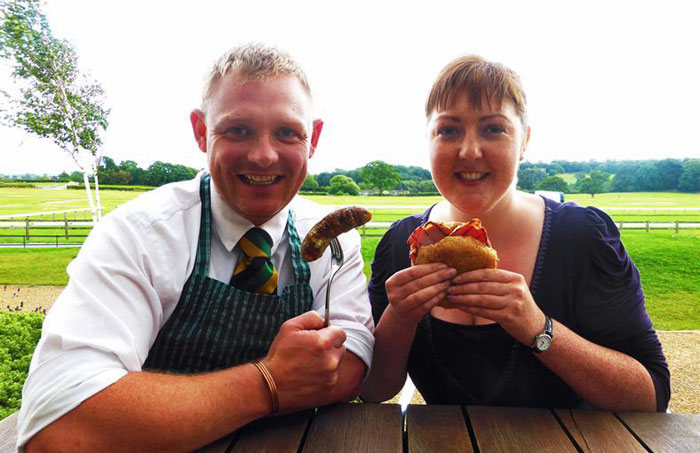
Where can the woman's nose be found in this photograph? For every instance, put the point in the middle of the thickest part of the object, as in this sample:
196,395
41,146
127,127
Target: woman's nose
264,152
470,148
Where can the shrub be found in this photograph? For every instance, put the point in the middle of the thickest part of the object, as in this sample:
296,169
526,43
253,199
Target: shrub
19,334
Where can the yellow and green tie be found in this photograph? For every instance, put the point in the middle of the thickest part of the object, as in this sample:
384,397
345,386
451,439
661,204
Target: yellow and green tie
255,272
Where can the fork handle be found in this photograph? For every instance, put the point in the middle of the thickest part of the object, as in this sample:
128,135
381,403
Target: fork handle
327,314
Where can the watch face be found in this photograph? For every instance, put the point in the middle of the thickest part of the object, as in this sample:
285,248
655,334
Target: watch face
543,342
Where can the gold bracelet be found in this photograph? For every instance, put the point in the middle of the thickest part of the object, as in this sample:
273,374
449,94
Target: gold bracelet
270,385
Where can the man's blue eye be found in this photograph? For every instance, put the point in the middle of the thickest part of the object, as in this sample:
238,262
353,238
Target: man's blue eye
287,132
237,130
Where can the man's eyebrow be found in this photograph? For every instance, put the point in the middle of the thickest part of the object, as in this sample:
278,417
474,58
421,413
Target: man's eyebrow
230,118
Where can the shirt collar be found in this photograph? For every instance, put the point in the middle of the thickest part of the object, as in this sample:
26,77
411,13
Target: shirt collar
231,226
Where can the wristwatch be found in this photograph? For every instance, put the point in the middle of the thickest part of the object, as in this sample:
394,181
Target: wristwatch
544,340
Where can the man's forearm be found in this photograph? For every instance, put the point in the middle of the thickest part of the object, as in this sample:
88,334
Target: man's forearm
160,412
603,377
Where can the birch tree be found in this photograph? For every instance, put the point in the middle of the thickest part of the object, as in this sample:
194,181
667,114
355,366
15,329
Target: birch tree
53,99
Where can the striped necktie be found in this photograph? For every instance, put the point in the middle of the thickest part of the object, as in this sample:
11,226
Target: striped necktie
255,272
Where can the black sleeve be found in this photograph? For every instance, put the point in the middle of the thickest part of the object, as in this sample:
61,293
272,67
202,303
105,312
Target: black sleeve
390,257
613,312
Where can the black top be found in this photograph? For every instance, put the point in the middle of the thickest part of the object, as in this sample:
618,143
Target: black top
583,278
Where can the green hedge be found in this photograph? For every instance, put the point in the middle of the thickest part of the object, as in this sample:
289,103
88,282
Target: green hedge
19,334
18,185
114,187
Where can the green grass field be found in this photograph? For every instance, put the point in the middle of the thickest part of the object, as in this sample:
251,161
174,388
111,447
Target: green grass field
670,278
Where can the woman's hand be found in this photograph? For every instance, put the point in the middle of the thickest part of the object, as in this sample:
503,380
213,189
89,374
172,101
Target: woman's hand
413,291
501,296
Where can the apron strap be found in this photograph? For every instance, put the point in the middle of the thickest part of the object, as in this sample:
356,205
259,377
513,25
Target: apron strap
201,264
302,272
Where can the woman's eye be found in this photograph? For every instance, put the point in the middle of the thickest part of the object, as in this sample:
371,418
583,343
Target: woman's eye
494,129
447,131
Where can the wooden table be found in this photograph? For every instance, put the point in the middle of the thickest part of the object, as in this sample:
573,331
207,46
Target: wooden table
356,428
382,428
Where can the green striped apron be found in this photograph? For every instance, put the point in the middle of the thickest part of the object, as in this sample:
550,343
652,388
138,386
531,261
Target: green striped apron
215,325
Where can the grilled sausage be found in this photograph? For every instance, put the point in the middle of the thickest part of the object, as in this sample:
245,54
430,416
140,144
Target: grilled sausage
329,227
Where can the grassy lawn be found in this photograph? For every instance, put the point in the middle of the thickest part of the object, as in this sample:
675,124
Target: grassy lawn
670,275
35,267
635,199
670,272
25,201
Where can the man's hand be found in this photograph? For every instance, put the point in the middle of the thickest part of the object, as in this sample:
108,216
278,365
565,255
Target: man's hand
305,361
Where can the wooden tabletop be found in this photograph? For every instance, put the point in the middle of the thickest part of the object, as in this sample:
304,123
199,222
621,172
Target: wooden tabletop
354,428
357,428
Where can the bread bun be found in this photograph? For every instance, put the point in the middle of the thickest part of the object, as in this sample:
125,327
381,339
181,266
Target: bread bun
464,247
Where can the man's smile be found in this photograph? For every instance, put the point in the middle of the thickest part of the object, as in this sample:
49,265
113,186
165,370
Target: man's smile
260,180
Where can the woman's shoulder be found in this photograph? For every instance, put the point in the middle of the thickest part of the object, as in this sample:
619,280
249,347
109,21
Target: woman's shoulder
572,220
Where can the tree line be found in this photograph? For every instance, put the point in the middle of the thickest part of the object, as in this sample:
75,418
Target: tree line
682,175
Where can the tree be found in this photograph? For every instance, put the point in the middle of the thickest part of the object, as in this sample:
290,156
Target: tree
669,171
381,175
341,184
555,183
594,183
427,186
310,183
624,179
55,100
690,178
530,176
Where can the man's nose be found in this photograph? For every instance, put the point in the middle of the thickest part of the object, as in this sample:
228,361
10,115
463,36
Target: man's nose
470,147
264,152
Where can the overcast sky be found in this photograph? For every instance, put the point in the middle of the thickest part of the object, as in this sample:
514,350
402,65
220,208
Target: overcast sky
604,79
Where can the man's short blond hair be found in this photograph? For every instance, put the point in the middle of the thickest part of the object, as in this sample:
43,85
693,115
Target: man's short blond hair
253,61
477,78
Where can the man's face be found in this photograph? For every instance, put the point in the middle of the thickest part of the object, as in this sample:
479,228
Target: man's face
258,136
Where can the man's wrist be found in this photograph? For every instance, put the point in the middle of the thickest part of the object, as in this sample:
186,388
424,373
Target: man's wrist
270,384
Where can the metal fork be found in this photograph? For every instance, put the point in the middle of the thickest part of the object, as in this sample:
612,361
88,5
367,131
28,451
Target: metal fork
337,259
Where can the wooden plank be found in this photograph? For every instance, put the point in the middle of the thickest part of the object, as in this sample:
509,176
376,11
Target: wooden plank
663,432
352,428
279,434
598,431
433,428
8,434
509,429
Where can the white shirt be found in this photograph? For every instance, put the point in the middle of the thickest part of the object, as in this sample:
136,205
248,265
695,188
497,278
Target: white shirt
127,279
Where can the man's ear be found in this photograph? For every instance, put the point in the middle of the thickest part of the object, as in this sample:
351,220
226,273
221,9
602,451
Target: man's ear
526,140
199,129
315,134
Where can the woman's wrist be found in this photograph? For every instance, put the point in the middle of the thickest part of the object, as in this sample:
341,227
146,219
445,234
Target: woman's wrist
395,317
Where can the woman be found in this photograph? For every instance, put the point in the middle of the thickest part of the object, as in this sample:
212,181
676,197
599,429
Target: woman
563,275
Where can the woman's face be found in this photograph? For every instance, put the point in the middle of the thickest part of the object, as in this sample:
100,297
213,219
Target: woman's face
475,152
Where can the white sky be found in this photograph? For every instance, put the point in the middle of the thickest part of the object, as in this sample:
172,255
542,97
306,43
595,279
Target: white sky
604,79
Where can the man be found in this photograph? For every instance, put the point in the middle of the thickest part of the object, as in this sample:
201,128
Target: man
176,326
